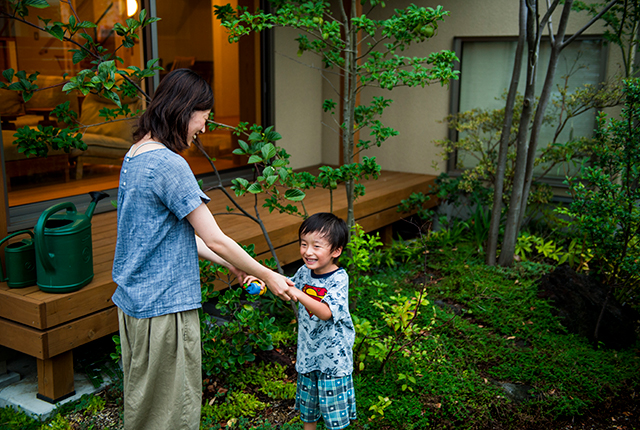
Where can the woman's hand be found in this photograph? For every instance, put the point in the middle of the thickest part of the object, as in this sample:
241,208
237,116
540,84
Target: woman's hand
239,274
281,286
249,279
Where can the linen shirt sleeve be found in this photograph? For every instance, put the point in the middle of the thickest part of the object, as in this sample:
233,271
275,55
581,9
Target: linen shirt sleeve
178,189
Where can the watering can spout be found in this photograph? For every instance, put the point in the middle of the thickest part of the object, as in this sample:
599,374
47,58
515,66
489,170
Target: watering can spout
96,196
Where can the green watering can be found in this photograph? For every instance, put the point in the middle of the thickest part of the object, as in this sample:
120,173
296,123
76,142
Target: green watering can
20,259
64,254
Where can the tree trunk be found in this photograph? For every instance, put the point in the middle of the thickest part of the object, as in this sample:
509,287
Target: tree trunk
496,211
545,96
513,215
349,97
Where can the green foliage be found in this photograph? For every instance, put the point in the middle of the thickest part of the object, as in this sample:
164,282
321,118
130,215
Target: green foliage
379,407
479,132
245,327
449,369
236,404
605,210
270,379
90,405
232,342
336,38
284,188
38,141
59,422
100,78
12,419
357,261
575,255
621,29
416,203
400,313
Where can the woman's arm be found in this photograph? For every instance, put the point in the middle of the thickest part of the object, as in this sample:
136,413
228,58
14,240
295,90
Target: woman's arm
213,238
207,254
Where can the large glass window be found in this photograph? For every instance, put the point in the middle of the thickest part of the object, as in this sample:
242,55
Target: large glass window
187,36
486,69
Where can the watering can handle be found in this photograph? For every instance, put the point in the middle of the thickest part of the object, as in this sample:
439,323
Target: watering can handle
39,232
2,278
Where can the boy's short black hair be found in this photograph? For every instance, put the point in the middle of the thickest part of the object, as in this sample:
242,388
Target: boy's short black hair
329,226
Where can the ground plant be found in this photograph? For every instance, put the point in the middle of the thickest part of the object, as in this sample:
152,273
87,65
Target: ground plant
483,350
605,209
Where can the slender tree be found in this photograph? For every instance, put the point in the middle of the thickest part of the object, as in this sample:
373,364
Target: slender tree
532,26
364,52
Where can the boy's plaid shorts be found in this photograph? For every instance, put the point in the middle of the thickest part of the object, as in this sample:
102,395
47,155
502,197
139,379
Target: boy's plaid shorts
330,396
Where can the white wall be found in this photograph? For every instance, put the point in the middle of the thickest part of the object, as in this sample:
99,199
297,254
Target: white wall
416,112
298,101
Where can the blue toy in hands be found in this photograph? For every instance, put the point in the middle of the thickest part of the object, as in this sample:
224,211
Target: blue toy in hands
255,288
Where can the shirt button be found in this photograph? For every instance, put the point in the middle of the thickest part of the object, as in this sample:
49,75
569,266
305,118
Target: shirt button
125,170
124,183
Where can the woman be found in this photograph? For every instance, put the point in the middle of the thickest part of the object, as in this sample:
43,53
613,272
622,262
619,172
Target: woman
156,261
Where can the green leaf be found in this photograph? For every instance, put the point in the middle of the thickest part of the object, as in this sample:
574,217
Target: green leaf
294,195
244,145
87,24
271,180
78,55
8,74
57,32
268,151
39,4
254,188
255,159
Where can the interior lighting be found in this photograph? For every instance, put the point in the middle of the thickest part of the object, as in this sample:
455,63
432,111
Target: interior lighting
132,7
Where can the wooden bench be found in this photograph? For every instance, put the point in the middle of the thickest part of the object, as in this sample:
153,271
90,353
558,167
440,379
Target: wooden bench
48,326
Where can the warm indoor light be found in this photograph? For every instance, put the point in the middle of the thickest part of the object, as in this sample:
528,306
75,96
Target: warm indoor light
132,7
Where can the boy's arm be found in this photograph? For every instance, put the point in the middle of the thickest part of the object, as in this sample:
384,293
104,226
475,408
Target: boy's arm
320,309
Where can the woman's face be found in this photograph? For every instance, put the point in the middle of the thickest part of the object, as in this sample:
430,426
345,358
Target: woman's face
197,123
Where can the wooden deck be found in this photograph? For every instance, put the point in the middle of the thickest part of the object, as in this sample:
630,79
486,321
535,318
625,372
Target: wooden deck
48,326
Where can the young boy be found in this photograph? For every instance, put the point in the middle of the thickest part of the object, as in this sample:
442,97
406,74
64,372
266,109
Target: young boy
325,329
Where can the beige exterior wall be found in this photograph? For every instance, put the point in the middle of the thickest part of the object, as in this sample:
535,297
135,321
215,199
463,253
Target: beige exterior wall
416,112
298,101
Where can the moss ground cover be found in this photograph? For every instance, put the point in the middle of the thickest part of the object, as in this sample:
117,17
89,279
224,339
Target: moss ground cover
450,343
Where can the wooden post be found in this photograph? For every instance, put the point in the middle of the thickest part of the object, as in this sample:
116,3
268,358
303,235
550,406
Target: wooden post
386,234
249,79
55,378
4,201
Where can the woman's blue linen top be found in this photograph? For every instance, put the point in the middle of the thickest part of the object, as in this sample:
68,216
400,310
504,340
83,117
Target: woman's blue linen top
156,258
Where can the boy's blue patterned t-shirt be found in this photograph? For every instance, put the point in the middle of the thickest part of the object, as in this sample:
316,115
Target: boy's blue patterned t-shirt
326,346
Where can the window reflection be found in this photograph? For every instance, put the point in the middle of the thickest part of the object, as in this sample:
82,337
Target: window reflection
188,36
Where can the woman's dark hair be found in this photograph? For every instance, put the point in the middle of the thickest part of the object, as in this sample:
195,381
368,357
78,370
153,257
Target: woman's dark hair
329,226
179,94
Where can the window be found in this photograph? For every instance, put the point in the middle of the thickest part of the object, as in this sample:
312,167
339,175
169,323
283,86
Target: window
187,36
486,69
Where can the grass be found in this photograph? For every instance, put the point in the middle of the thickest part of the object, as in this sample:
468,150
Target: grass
483,330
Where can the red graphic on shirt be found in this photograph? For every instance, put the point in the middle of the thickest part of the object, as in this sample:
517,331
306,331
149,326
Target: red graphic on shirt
316,293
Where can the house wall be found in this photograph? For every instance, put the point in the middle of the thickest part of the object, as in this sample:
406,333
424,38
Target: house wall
416,112
298,101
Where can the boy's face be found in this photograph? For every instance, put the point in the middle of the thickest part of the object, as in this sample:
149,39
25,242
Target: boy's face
316,252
